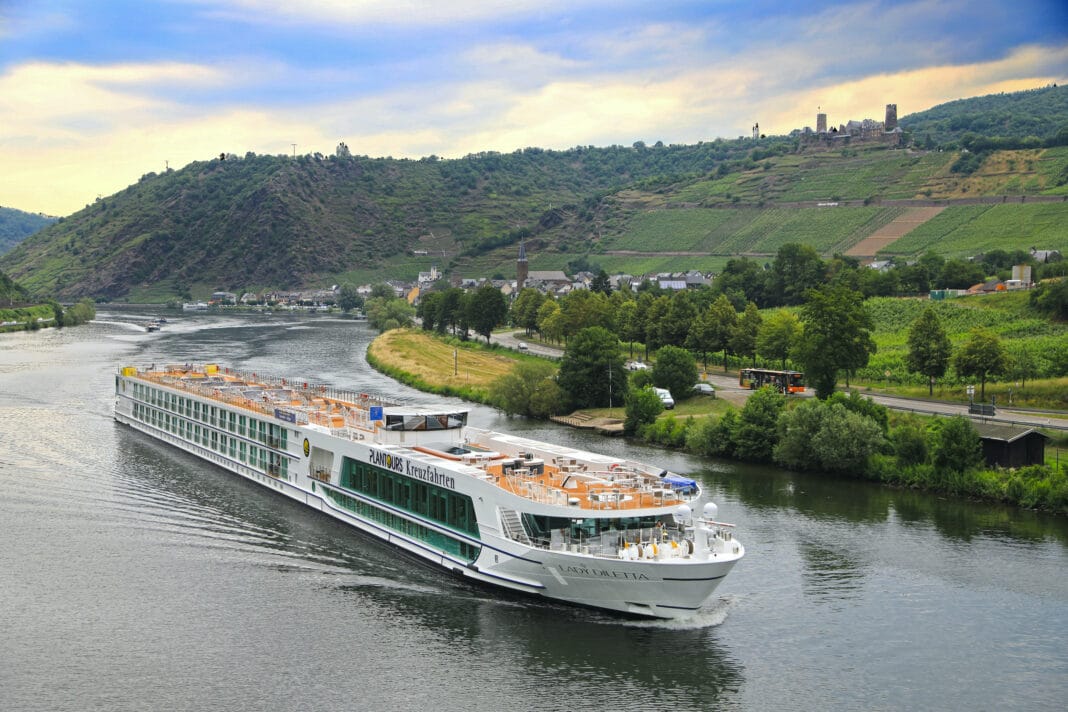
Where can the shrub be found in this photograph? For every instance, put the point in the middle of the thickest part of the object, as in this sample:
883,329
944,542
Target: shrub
668,431
827,436
643,405
863,406
528,389
957,448
757,430
909,441
714,436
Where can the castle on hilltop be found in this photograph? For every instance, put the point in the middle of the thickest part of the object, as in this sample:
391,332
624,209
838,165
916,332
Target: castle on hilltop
885,132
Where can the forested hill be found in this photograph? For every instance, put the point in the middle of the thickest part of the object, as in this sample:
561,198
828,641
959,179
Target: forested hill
9,291
253,222
1040,113
16,225
276,221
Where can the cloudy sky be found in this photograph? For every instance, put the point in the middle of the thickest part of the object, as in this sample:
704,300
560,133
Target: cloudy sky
96,93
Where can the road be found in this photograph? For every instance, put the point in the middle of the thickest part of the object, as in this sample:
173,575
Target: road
1005,416
727,387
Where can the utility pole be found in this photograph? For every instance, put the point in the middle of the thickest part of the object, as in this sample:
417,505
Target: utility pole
609,388
294,150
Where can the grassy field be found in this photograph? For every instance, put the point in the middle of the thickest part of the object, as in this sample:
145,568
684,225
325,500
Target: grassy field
449,367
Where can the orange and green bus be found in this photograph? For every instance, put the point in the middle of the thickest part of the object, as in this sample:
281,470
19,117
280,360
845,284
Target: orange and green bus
782,381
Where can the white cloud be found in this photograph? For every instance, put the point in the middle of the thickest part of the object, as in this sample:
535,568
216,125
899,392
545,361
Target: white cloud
72,131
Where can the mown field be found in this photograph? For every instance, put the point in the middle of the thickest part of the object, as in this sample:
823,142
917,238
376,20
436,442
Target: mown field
438,366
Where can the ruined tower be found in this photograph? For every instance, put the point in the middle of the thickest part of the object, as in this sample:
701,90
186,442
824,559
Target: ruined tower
821,123
891,118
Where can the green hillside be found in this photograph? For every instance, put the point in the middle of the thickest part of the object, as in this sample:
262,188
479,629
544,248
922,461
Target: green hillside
266,221
16,225
1041,113
283,222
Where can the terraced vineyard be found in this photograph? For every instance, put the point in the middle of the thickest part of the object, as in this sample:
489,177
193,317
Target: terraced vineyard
861,174
727,232
966,230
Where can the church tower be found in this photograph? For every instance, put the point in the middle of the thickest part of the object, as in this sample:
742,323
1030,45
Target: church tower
521,269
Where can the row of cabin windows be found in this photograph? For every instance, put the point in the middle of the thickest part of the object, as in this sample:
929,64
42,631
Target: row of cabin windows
270,434
442,542
435,503
270,462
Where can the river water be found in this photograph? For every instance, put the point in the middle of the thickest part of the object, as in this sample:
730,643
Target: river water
136,577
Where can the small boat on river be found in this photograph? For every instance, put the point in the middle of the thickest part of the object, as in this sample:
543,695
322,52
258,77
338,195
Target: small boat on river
516,513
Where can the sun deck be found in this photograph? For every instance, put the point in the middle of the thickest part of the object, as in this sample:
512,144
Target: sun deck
571,482
295,400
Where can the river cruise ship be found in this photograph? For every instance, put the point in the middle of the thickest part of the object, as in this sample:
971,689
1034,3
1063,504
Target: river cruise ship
534,517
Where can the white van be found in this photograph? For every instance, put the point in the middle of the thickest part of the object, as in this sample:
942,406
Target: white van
665,397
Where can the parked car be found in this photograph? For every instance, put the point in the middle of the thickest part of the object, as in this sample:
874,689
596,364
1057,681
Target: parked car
635,366
665,397
704,389
522,346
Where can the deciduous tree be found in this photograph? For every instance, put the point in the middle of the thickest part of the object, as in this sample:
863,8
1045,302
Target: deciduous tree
675,370
981,356
528,389
486,309
743,338
929,348
590,356
836,336
778,335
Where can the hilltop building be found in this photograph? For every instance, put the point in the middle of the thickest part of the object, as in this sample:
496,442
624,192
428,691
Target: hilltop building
865,130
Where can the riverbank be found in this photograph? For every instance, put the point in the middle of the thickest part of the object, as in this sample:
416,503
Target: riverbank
442,365
905,452
45,316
